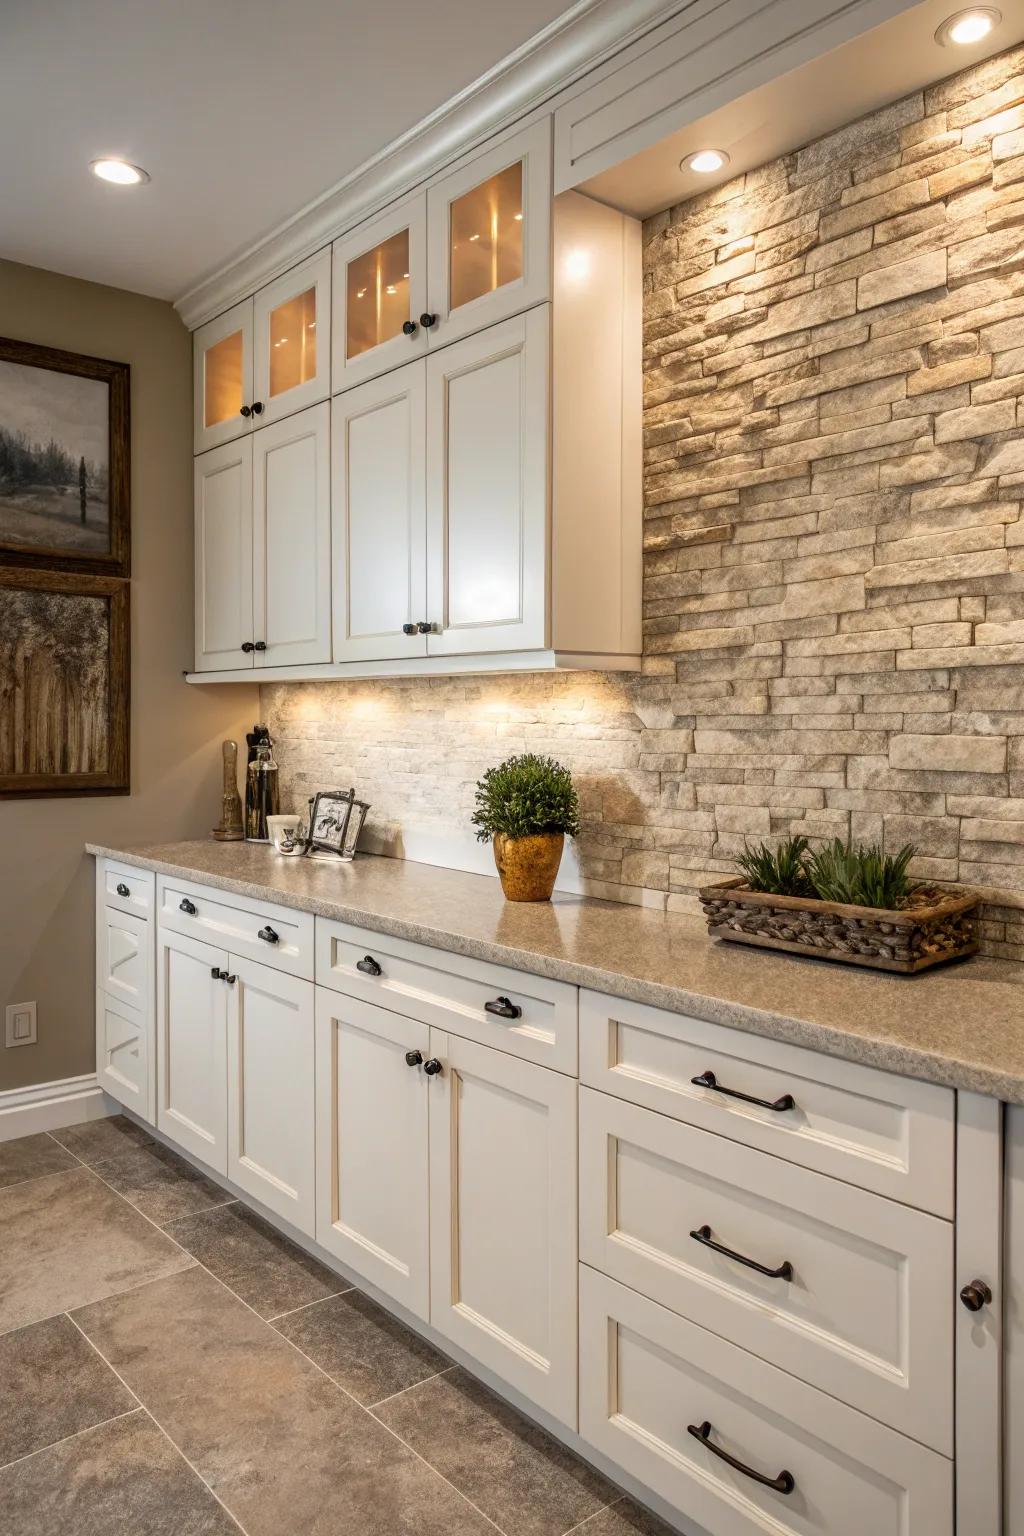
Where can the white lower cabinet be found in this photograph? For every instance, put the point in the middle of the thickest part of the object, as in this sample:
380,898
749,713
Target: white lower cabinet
191,1076
124,1061
270,1099
503,1217
372,1201
738,1446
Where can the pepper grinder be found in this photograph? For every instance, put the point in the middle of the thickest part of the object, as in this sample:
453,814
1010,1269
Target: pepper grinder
229,829
262,789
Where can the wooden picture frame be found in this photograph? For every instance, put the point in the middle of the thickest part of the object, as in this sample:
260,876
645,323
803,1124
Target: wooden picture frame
65,684
52,537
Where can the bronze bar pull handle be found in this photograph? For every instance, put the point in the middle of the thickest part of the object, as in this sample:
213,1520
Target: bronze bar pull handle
784,1483
709,1080
783,1272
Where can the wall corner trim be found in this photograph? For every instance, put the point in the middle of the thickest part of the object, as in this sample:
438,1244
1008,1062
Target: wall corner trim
50,1106
546,64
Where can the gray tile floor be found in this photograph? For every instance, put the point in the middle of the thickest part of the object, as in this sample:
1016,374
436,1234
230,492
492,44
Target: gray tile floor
172,1366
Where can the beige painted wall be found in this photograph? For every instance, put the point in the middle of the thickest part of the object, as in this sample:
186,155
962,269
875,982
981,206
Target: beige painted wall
46,882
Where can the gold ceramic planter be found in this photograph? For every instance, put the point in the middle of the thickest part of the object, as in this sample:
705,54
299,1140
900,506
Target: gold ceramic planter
528,866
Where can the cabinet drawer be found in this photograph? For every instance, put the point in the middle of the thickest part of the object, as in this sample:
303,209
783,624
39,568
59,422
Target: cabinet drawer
124,956
865,1313
451,993
647,1375
261,931
124,1055
124,886
889,1134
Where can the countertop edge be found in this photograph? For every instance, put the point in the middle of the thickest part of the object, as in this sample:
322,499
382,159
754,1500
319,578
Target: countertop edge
862,1049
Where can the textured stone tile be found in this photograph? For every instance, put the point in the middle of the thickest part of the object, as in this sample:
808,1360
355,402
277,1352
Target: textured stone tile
949,754
259,1263
54,1385
124,1477
32,1157
68,1239
915,275
625,1518
94,1141
363,1348
159,1183
278,1442
524,1480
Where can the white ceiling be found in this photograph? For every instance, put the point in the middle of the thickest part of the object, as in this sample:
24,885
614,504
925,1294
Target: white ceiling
241,111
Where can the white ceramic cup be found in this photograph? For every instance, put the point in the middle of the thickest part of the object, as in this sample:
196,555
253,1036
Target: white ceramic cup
278,825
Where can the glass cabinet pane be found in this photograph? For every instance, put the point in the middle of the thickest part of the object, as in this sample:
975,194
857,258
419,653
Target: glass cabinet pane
378,295
222,365
486,236
293,342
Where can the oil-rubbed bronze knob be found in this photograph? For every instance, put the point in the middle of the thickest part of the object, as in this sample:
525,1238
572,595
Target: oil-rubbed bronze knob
122,889
409,328
427,320
414,1058
976,1295
432,1067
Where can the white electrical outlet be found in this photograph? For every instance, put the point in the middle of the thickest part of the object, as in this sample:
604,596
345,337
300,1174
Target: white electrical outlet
21,1024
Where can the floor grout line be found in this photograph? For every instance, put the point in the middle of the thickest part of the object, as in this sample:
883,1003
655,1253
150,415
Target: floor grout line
154,1420
75,1434
317,1301
410,1388
621,1499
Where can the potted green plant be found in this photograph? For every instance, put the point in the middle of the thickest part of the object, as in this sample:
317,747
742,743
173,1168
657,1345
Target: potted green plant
526,807
840,902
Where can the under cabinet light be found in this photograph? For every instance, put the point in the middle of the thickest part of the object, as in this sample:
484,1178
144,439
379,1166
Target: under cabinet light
705,161
967,27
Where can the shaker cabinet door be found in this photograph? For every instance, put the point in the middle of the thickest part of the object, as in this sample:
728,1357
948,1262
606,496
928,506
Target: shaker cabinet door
223,554
378,514
192,1048
371,1163
291,340
270,1089
487,489
292,540
503,1271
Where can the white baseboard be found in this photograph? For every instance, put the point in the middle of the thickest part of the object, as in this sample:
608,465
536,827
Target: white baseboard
51,1106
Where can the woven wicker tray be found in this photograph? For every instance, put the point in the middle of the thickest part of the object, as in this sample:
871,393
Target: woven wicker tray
935,927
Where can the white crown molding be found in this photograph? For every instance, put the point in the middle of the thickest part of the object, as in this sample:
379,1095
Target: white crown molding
50,1106
550,61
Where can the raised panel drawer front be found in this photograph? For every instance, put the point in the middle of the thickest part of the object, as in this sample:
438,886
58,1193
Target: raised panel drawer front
647,1376
124,1056
525,1015
124,958
859,1300
271,1151
260,931
124,886
372,1184
503,1268
889,1134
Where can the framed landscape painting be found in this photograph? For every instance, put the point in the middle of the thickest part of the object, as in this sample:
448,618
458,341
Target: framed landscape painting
64,684
64,460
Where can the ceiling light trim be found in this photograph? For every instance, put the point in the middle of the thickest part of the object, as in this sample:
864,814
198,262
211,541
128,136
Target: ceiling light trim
944,34
137,178
576,42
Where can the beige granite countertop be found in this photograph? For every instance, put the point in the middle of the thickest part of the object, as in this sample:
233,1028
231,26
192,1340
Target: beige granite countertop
961,1025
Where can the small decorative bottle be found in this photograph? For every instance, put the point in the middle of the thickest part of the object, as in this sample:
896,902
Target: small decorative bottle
262,792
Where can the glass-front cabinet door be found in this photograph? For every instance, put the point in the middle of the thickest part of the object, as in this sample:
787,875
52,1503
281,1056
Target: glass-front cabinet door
380,294
222,377
489,236
292,358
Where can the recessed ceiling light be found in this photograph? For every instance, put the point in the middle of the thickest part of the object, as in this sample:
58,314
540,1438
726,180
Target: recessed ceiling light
967,27
705,162
119,172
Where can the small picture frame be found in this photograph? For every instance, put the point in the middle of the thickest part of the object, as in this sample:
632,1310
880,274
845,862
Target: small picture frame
328,821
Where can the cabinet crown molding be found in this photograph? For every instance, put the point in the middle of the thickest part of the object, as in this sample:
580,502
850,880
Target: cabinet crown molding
589,32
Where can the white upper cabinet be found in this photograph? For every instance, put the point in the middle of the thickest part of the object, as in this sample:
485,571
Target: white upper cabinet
380,293
489,236
291,343
379,517
223,546
222,378
487,489
291,510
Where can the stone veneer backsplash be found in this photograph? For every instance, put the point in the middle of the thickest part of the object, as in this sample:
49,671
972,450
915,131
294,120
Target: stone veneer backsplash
834,551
